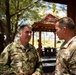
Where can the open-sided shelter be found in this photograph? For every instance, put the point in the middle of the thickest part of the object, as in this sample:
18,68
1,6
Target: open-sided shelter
45,25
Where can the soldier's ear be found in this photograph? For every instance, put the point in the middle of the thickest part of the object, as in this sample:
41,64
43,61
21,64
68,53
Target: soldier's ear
64,29
19,33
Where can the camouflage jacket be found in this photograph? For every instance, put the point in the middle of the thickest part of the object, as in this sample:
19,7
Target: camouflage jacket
16,59
66,59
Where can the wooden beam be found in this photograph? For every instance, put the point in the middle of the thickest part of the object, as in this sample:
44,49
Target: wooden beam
71,11
57,1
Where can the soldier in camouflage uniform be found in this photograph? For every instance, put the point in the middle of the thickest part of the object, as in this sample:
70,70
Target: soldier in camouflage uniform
66,57
20,57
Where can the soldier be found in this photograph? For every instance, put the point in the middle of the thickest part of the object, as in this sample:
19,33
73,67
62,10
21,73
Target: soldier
20,57
66,57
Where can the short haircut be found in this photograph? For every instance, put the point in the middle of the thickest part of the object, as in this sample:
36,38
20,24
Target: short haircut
67,22
23,25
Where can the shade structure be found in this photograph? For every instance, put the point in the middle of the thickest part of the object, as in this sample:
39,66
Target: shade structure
38,26
45,25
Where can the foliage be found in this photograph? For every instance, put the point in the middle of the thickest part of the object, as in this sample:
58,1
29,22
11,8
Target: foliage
15,12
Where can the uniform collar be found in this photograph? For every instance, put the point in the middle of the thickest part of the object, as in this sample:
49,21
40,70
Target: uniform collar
65,45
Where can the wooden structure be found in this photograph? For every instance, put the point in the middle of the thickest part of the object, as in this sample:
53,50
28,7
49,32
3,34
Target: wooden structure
1,37
46,25
71,12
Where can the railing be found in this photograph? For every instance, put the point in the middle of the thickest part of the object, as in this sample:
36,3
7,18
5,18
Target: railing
48,59
49,51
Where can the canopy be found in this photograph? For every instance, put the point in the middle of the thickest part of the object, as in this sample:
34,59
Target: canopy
45,25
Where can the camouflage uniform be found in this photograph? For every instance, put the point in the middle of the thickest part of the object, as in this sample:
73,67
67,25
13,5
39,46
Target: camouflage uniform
16,59
66,59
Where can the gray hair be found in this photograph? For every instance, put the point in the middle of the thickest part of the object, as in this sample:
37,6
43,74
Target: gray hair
24,25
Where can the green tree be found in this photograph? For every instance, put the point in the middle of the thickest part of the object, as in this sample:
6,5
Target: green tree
13,11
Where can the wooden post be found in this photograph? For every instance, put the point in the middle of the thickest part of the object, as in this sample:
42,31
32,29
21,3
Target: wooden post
33,38
54,39
71,11
40,44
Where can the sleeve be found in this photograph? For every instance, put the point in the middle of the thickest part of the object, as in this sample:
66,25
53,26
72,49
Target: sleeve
16,61
11,58
4,68
66,61
58,66
38,70
61,63
72,59
4,56
72,64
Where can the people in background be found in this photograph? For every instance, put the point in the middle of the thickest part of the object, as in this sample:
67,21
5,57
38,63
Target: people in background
20,57
66,57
